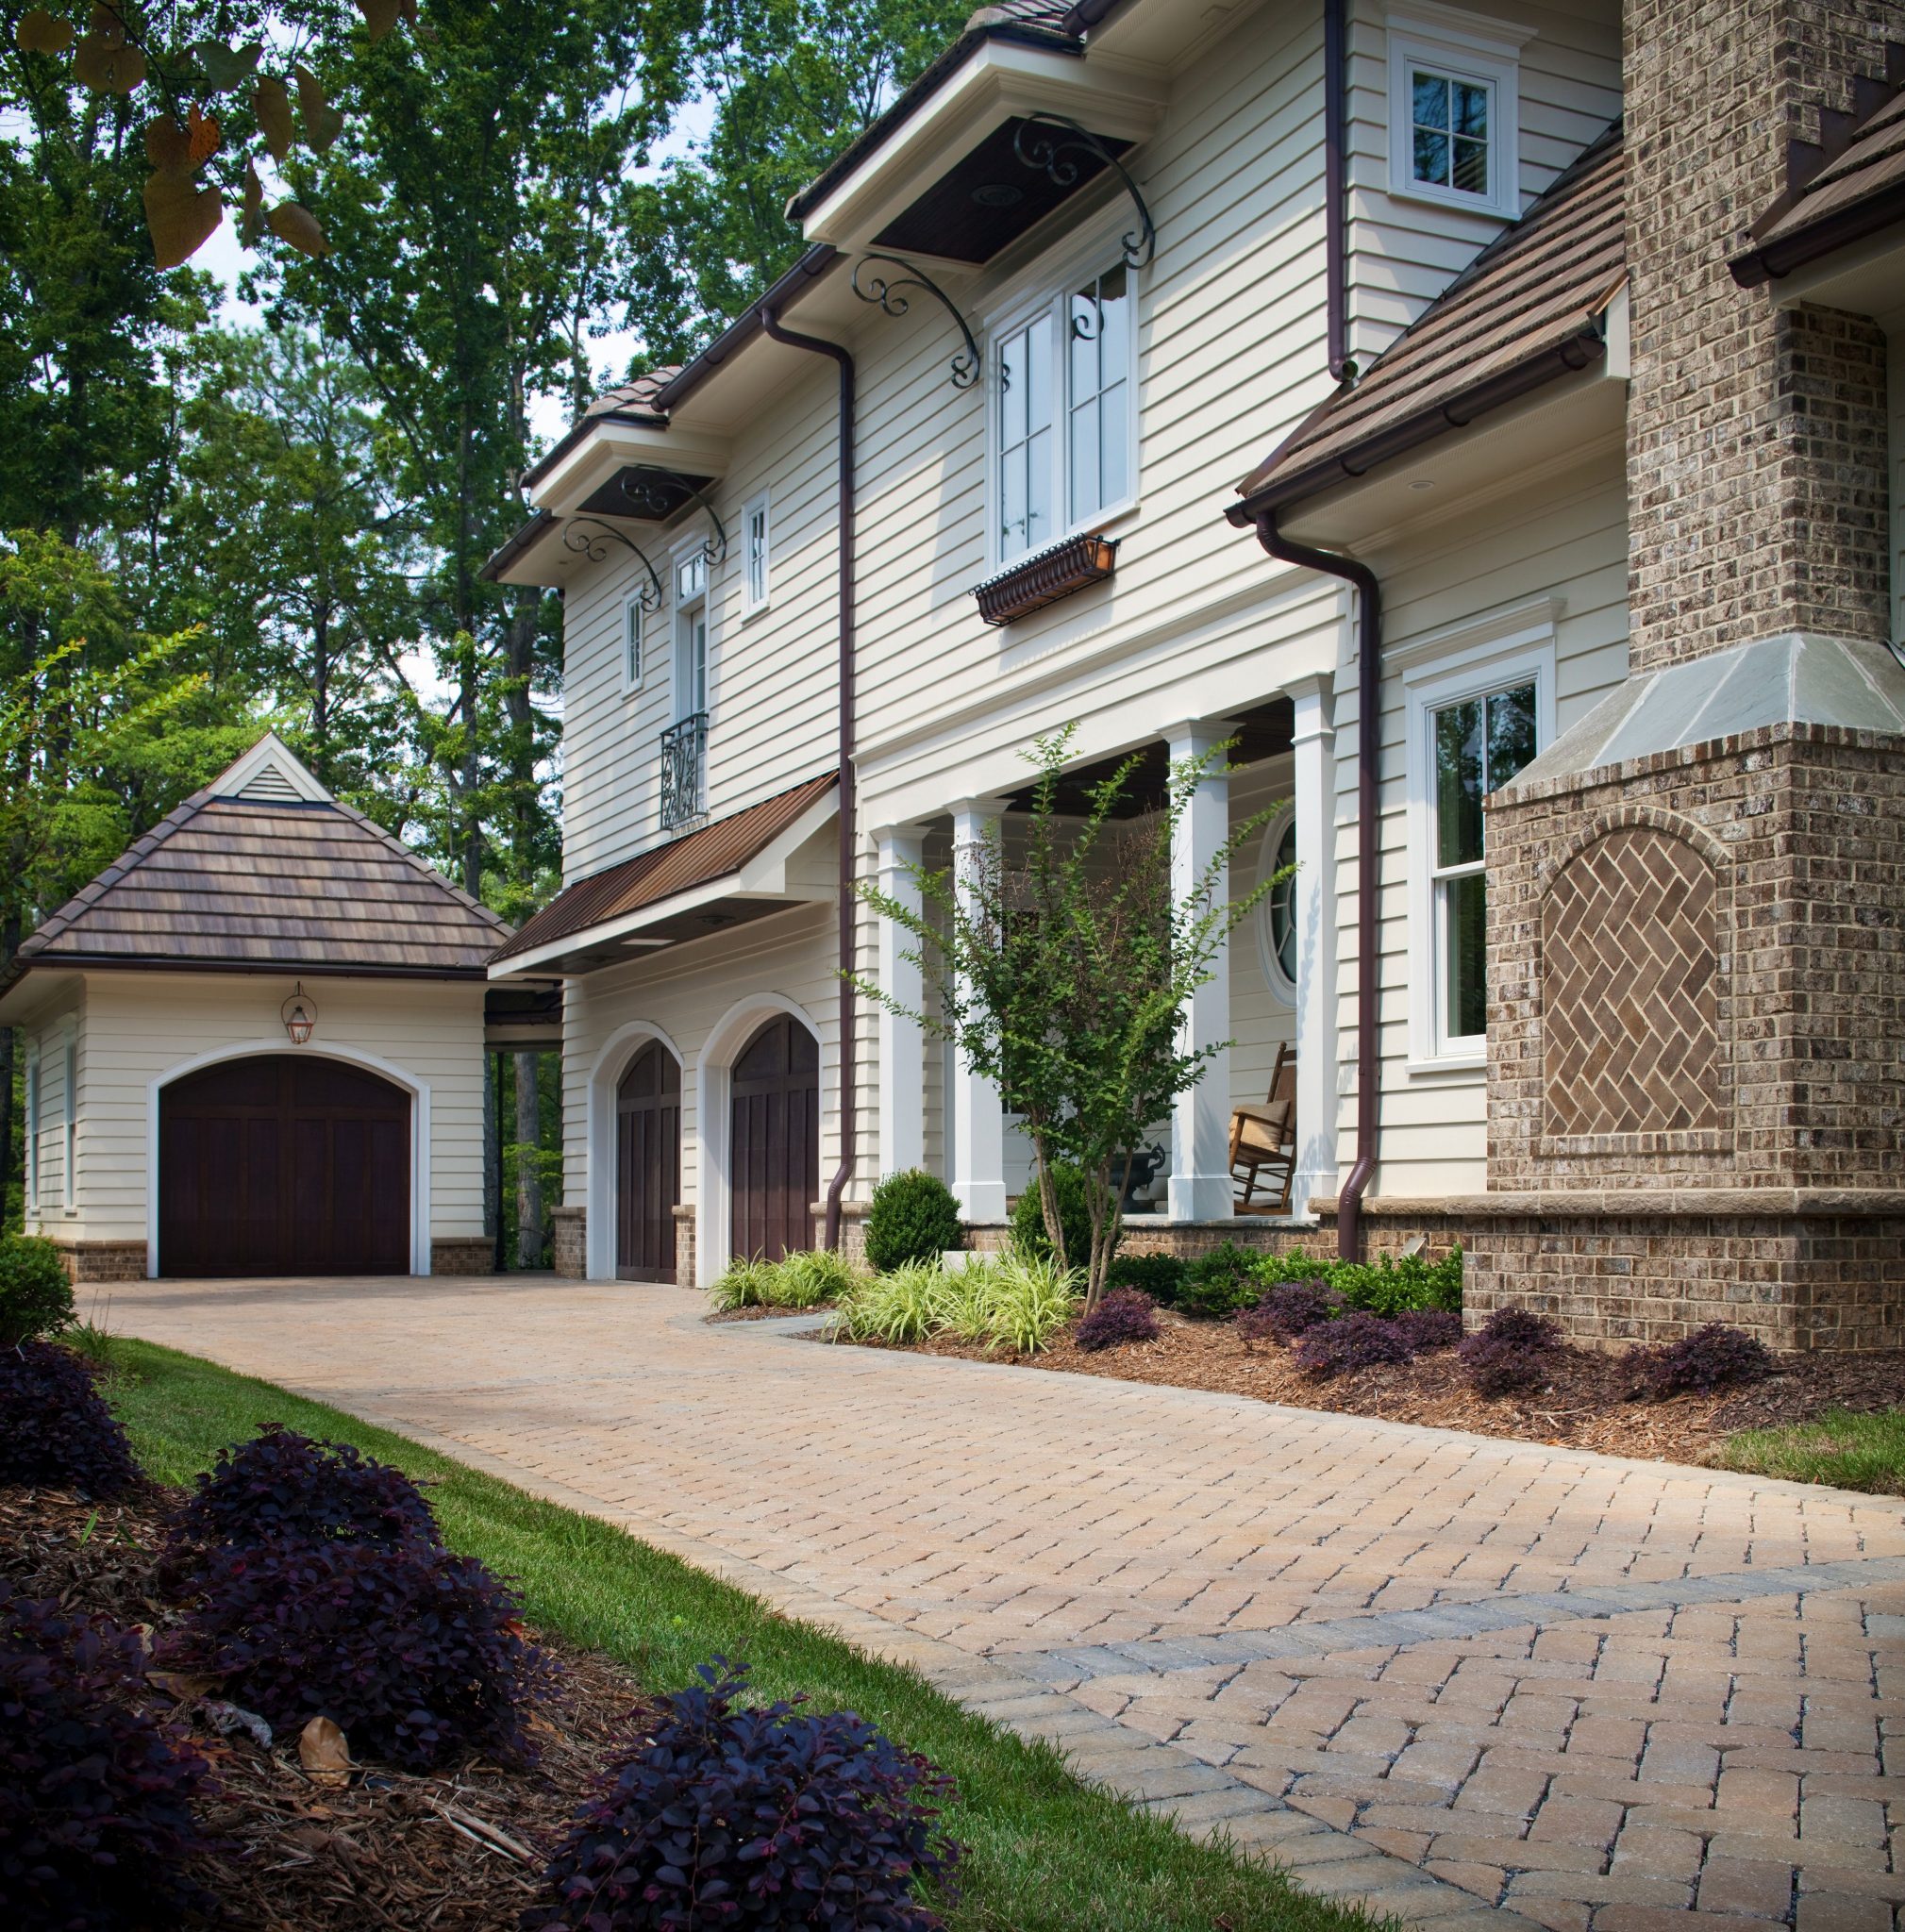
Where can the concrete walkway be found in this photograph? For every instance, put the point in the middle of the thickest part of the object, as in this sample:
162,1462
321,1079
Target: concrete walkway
1473,1683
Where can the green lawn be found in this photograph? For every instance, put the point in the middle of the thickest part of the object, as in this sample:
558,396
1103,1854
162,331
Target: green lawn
1851,1452
1046,1851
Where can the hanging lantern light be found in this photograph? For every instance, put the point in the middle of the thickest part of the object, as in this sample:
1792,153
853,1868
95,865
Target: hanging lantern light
300,1014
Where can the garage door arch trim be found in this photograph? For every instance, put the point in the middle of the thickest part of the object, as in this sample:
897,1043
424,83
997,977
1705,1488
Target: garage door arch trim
419,1091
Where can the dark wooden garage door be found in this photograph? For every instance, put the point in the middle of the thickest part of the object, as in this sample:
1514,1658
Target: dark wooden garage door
284,1165
775,1141
647,1165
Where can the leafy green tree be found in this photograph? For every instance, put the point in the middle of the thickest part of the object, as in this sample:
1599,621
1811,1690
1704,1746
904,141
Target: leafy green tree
1060,972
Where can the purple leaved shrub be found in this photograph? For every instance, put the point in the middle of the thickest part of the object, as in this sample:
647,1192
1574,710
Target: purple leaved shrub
95,1796
55,1431
1290,1310
282,1487
1703,1363
1424,1329
418,1653
1512,1351
1123,1315
1347,1344
730,1816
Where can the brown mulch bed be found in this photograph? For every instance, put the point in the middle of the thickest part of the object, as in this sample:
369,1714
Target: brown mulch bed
759,1314
1585,1406
459,1850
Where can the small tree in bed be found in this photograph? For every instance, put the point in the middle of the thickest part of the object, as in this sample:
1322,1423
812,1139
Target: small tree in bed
1061,972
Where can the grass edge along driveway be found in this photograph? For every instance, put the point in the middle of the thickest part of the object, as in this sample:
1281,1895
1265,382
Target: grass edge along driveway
1046,1851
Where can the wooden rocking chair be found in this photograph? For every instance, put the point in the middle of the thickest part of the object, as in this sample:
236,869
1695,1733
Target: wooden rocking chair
1263,1143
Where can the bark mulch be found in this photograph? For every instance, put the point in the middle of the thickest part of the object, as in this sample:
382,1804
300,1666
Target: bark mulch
1586,1405
459,1850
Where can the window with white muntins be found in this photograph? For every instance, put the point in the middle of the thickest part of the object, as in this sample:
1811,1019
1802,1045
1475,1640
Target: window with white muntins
631,644
755,540
1455,111
1065,414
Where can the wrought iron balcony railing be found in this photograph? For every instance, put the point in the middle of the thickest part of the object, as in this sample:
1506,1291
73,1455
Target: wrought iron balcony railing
684,748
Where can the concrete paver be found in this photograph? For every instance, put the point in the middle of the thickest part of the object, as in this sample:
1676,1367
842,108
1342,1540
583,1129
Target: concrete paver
1473,1682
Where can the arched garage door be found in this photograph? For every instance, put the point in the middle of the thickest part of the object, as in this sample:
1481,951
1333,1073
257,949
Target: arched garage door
284,1164
647,1165
774,1145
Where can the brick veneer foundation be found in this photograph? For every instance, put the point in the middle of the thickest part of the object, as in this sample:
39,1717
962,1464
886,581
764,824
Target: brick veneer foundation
88,1261
463,1255
569,1241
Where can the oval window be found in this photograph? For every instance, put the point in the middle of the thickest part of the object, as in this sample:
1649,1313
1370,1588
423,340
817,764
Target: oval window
1281,908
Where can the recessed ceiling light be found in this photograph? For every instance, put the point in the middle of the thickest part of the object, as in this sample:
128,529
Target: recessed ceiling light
1423,483
998,195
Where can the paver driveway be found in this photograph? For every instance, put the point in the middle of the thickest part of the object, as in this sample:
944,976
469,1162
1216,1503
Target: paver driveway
1465,1680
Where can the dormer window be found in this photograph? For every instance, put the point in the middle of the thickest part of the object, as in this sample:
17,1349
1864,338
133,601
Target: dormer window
1454,105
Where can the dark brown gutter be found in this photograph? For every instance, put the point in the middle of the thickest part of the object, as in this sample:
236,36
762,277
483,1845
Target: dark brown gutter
1579,350
1884,209
525,538
1368,863
848,902
642,419
1335,145
744,329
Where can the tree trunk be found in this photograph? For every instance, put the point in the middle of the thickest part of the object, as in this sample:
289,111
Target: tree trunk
530,1237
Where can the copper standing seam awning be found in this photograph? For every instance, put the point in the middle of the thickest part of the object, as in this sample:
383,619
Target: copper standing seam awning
662,895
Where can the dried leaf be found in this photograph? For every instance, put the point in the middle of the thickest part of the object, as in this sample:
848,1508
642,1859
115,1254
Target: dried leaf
380,16
251,215
322,121
183,1685
167,145
180,214
299,227
227,67
108,67
204,133
322,1749
39,33
270,104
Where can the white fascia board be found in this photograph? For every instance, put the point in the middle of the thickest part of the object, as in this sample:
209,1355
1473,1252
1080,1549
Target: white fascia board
764,876
38,987
1123,102
612,447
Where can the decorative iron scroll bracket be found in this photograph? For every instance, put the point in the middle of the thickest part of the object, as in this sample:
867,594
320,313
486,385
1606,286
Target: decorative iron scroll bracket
1045,154
885,291
646,500
590,544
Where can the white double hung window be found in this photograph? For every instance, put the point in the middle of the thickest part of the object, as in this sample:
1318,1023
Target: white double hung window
691,636
1065,424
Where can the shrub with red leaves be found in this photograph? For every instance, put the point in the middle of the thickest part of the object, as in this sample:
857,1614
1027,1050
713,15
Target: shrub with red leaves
1347,1344
95,1796
416,1653
55,1431
1703,1363
1429,1328
1291,1310
754,1818
282,1487
1512,1352
1124,1315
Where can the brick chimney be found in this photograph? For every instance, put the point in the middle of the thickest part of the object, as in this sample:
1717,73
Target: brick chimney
1755,434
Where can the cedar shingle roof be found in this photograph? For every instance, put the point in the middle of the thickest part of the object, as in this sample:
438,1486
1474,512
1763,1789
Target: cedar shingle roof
1527,309
698,858
1848,197
270,881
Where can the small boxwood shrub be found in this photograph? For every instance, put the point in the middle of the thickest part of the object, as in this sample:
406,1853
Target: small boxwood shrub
1290,1310
1512,1351
282,1487
1160,1277
1349,1343
55,1431
1122,1315
1222,1283
911,1217
36,1298
418,1653
95,1796
736,1817
1384,1287
1075,1217
1703,1363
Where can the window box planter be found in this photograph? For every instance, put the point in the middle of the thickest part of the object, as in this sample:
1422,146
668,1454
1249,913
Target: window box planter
1046,575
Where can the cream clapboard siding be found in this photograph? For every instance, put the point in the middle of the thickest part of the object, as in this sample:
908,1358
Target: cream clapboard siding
42,1044
137,1027
1566,540
1404,252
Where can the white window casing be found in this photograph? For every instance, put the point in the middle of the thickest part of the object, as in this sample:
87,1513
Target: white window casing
756,548
69,1117
633,641
1441,865
1455,110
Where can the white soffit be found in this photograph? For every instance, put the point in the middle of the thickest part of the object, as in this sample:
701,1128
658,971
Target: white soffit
611,446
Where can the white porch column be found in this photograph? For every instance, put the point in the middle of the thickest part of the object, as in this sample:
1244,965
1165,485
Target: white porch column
902,1041
978,1129
1313,905
1200,1120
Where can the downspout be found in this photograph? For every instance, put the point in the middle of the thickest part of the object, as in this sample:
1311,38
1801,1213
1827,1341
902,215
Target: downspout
849,1137
1368,862
1335,148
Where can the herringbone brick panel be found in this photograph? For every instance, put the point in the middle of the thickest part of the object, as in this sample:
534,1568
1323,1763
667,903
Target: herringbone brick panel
1629,1015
